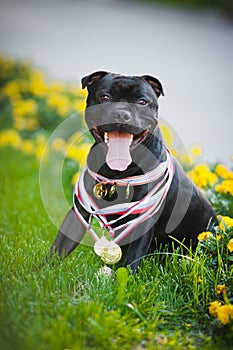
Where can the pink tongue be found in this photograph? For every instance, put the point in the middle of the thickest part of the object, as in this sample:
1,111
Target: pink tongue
118,156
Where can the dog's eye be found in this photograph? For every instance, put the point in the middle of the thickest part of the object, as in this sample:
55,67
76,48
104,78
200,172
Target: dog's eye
104,98
142,102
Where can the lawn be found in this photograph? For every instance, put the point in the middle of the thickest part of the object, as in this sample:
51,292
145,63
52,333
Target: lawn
174,302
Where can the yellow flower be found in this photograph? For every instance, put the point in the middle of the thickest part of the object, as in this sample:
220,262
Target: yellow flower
7,65
221,288
27,147
11,89
78,153
36,85
10,137
204,236
225,187
225,222
56,87
78,91
21,108
40,143
213,308
196,151
79,106
202,176
21,123
230,245
75,178
225,313
222,171
59,102
76,137
166,134
59,145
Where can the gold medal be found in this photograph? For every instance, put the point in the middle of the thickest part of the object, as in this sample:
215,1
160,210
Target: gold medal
127,191
109,251
100,245
111,254
112,190
100,190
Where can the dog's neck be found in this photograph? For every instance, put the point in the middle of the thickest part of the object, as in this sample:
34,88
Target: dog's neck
148,177
146,207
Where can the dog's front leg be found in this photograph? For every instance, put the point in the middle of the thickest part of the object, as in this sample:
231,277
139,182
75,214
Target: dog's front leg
138,249
69,236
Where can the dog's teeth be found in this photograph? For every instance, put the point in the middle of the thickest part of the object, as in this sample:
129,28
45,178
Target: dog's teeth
106,137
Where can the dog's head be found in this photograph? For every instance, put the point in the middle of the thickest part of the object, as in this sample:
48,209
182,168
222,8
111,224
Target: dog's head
122,112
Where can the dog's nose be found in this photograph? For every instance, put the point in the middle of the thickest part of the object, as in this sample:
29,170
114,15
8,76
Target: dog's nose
122,116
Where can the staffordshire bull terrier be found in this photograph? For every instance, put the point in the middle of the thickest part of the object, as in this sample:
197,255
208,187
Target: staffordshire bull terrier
132,185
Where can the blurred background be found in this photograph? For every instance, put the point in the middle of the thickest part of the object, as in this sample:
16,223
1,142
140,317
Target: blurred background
187,45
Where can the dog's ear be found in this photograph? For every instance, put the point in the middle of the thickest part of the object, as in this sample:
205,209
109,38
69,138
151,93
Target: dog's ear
92,78
155,84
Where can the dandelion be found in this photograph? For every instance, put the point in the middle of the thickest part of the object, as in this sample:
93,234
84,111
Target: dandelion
36,84
59,102
225,313
166,134
196,151
222,171
78,153
59,145
27,146
204,236
230,245
22,108
202,176
77,136
11,89
221,289
79,106
78,91
21,123
40,143
56,87
225,187
75,178
10,138
225,222
213,308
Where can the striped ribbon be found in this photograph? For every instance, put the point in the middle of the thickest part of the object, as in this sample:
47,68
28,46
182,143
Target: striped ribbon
145,208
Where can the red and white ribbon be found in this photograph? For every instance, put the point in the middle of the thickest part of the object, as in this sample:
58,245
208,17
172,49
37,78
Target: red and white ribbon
146,207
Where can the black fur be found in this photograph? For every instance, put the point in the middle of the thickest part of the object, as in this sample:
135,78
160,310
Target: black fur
185,212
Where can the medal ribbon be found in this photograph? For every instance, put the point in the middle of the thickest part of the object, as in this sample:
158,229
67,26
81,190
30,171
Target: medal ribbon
146,207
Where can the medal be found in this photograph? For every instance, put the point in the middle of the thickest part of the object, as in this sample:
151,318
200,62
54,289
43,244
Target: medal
127,191
109,251
100,190
112,190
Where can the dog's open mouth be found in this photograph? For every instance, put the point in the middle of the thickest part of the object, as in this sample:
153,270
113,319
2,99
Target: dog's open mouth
119,144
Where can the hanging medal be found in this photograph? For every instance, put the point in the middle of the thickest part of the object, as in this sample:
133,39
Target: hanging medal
112,190
100,190
109,251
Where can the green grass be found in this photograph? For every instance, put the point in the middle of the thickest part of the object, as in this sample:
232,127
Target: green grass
67,305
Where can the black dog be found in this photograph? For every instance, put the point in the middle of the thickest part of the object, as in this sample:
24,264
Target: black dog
143,196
